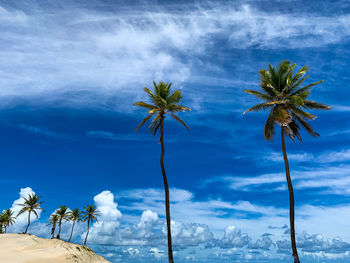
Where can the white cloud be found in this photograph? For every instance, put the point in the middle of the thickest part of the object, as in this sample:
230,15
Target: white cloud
341,155
234,238
157,253
106,229
331,179
186,235
96,55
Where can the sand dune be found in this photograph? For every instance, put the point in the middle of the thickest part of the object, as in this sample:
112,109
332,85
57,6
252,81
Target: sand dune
23,248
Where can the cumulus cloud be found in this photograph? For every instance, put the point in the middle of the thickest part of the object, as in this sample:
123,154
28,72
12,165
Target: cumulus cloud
234,238
315,244
264,243
106,229
186,235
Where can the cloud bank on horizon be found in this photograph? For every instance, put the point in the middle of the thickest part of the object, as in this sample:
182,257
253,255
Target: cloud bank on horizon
69,73
133,241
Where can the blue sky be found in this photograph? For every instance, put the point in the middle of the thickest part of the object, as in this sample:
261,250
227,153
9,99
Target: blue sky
70,71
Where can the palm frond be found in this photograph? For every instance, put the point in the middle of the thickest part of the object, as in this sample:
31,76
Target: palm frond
307,87
261,106
316,105
144,105
155,122
179,120
175,97
143,122
269,128
306,125
259,95
302,113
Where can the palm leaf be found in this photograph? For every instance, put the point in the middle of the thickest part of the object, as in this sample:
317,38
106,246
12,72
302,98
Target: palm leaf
306,125
259,95
316,105
260,106
143,122
144,105
307,87
179,120
269,128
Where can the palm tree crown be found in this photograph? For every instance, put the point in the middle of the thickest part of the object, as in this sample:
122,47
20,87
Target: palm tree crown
62,213
75,215
282,93
163,103
90,213
30,205
8,217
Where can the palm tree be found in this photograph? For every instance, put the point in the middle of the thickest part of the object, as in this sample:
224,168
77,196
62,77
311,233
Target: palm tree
9,219
53,221
2,222
30,205
163,103
90,214
75,216
62,214
283,95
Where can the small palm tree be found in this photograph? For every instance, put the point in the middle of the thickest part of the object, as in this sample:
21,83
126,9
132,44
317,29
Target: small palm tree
9,219
283,95
31,205
90,214
53,221
163,103
63,214
75,216
2,222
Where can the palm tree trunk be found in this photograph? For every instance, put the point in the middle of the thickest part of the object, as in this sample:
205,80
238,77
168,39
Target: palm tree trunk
5,228
59,229
166,189
25,232
87,232
53,231
71,233
291,199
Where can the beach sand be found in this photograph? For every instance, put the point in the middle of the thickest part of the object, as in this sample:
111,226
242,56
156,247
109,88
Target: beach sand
24,248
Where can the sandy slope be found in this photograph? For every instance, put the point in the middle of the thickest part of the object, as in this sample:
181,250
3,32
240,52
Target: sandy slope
21,248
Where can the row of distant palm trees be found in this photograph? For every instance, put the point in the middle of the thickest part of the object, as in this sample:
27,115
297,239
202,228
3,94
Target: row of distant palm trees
282,95
32,205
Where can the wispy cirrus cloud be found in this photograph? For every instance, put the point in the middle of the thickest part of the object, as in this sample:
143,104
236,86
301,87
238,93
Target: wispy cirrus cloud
96,54
332,179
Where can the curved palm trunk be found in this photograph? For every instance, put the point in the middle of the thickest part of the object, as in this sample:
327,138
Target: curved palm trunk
59,229
25,232
71,233
291,199
53,231
5,229
166,189
87,232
